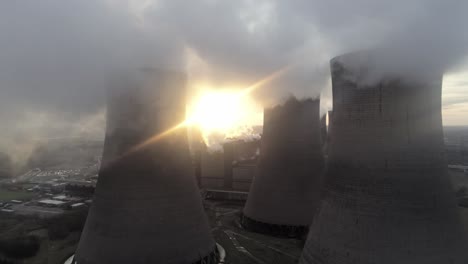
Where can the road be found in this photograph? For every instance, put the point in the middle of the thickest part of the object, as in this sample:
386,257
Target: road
246,247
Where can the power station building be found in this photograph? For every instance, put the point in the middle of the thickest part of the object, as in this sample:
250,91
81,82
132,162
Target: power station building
212,170
232,169
387,196
146,207
286,188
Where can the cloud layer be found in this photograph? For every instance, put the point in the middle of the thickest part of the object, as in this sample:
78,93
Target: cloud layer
56,57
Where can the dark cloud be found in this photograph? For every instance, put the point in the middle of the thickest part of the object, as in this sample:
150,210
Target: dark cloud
58,54
246,40
56,58
408,36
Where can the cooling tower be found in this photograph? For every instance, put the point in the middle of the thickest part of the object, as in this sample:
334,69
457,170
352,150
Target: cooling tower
146,208
197,147
387,196
286,189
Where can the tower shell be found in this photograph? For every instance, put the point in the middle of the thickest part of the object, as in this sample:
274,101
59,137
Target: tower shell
287,186
387,196
146,207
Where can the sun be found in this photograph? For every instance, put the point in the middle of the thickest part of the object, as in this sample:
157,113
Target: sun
222,111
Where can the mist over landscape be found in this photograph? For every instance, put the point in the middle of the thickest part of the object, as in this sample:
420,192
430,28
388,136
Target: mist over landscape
174,131
57,57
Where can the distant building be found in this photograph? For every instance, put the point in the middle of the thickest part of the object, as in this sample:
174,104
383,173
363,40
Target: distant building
51,203
232,169
80,188
243,173
241,161
77,206
456,145
212,170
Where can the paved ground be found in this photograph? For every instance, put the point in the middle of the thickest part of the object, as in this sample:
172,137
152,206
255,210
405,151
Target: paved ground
251,248
246,247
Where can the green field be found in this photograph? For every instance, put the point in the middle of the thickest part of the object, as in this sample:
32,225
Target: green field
6,195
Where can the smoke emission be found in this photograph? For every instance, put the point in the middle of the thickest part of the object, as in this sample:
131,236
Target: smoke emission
57,56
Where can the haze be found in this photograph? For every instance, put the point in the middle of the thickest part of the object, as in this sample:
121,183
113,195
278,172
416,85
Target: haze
58,56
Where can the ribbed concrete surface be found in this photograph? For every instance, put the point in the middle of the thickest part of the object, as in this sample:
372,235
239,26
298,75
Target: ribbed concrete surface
387,193
287,186
147,208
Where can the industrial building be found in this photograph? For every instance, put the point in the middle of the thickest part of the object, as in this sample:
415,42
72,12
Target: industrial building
211,170
287,187
147,207
387,196
243,173
241,162
231,169
456,145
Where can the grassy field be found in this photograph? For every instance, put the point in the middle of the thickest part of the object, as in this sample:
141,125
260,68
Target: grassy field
6,195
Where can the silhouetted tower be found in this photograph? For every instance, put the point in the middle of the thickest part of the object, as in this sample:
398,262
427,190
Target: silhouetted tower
228,148
323,129
6,167
147,207
287,187
463,147
387,195
198,146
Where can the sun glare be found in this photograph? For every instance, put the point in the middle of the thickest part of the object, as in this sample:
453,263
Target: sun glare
223,111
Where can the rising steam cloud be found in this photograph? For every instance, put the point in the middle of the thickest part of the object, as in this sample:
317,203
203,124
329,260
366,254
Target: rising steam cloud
58,56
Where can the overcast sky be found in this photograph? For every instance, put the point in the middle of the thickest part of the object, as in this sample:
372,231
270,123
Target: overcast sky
56,56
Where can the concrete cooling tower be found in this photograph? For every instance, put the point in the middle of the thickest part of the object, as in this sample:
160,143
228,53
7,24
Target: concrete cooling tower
146,208
286,190
387,196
